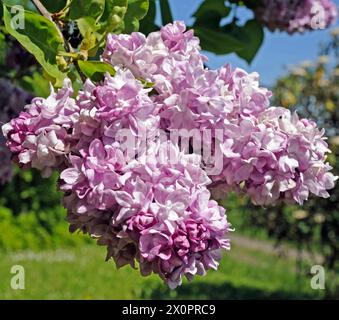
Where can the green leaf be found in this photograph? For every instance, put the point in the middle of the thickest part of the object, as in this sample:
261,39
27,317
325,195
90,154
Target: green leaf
218,41
112,18
253,36
54,6
147,24
88,29
95,70
136,10
89,44
25,3
87,25
207,26
39,37
36,84
86,8
166,13
3,48
210,13
146,83
245,40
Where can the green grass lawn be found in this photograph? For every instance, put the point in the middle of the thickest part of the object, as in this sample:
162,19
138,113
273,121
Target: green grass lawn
81,273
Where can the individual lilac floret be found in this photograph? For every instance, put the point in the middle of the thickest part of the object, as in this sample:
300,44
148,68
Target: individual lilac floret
296,16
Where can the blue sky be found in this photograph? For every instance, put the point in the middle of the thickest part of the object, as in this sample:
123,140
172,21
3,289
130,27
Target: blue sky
278,51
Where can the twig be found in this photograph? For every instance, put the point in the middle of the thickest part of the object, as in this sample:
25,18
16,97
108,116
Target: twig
43,11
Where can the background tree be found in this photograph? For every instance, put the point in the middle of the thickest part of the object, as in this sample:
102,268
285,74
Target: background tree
311,89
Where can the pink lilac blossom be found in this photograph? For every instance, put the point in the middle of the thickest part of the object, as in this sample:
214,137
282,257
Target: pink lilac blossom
12,99
233,101
141,196
190,95
151,211
39,137
296,16
276,157
167,58
118,103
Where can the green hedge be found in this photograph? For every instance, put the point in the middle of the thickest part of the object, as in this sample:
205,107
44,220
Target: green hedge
36,230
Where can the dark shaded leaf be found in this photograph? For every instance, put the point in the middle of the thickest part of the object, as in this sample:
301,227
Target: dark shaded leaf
166,13
147,24
253,36
54,6
218,41
210,13
95,70
86,8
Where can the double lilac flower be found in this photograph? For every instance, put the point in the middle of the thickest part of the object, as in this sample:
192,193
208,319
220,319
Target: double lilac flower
296,15
12,99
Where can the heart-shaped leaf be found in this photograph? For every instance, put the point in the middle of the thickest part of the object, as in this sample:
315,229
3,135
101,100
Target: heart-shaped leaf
253,35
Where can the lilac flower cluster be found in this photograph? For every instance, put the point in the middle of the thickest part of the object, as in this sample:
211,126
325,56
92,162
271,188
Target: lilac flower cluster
151,211
276,157
128,184
268,153
141,206
12,99
296,15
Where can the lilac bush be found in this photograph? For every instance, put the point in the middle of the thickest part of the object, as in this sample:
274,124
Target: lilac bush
128,184
296,15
